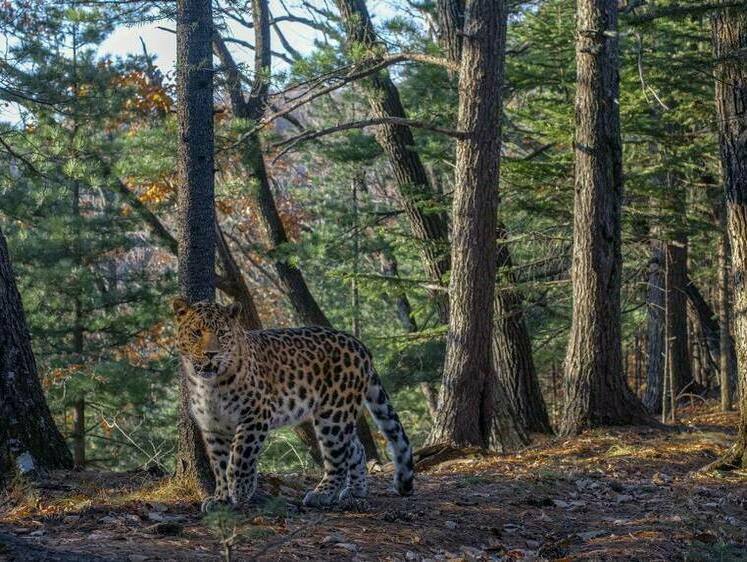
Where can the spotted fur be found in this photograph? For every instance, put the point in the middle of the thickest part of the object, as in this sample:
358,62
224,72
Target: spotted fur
243,384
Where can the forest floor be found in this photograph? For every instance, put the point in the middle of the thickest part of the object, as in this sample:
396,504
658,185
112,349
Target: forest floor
630,494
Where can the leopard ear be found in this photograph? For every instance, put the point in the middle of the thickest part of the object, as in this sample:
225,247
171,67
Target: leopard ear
180,306
234,310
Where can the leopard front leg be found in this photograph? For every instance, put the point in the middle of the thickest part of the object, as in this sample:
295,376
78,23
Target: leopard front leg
242,464
217,447
334,442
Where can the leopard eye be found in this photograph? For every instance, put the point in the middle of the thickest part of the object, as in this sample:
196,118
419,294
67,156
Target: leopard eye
197,333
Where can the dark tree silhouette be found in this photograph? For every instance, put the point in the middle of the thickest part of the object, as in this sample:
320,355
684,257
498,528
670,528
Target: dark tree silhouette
196,220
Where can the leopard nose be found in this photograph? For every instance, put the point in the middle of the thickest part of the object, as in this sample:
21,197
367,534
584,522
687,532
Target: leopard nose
211,354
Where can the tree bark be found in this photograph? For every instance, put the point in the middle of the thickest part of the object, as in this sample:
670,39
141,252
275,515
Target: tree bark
512,349
472,408
451,19
655,314
29,438
595,390
676,345
196,214
727,359
708,323
512,346
675,281
730,41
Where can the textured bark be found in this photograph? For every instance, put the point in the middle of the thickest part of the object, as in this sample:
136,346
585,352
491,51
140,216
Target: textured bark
730,43
196,215
595,390
473,410
512,350
655,326
429,227
727,359
27,430
512,346
450,19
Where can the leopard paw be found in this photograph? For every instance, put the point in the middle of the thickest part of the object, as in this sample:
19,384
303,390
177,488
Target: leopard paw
212,503
349,493
315,498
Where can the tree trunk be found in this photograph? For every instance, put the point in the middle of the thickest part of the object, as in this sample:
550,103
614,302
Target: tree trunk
29,439
727,359
451,19
656,317
730,42
196,215
512,350
472,408
676,281
708,323
595,391
512,346
402,303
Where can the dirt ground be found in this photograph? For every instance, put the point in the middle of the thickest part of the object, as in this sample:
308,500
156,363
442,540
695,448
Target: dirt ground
609,495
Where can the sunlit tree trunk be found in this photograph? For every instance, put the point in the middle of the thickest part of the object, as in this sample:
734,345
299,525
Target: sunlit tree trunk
596,392
472,408
512,346
730,45
727,357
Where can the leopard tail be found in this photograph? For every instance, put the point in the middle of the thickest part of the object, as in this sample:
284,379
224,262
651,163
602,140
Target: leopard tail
386,419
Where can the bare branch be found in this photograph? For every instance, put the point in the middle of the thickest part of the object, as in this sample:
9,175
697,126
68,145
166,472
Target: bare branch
315,134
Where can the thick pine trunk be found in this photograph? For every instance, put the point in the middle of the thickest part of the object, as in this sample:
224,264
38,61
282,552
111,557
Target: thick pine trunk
472,408
730,44
416,194
29,438
596,392
655,326
196,214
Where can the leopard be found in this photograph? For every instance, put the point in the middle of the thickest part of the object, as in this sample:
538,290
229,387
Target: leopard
242,383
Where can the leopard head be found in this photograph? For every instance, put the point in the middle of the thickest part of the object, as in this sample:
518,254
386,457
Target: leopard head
207,335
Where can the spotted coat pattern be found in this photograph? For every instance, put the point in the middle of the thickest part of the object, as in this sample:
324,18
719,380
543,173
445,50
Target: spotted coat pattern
243,384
